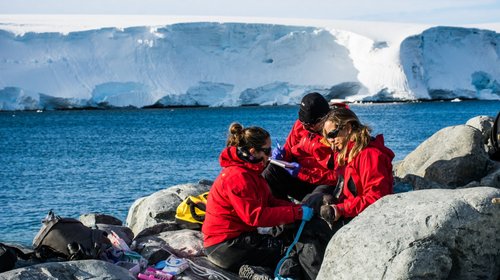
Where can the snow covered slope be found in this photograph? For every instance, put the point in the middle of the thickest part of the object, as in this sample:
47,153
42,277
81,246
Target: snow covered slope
231,64
446,62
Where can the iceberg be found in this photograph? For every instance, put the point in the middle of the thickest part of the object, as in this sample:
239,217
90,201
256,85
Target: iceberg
238,64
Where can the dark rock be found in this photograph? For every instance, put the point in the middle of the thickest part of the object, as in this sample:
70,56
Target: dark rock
123,232
98,218
74,270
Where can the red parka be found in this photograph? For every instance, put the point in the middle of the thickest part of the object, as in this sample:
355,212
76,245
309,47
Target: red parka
240,201
366,178
313,153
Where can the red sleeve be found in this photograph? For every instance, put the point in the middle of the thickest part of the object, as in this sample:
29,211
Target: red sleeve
253,209
375,174
317,164
316,176
279,202
293,139
318,148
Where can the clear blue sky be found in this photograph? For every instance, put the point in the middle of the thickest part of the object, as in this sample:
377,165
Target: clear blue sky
418,11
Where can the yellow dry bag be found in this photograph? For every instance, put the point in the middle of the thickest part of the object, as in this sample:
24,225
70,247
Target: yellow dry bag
191,212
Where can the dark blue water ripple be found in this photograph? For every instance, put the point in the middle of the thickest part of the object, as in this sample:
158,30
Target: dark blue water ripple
77,162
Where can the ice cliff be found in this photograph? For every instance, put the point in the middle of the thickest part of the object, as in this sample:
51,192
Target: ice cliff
232,64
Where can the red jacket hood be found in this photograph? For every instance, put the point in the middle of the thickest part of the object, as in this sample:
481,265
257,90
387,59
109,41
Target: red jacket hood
378,143
229,157
366,178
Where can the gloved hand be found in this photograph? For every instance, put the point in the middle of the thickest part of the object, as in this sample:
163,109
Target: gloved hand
307,213
278,152
330,214
293,170
314,200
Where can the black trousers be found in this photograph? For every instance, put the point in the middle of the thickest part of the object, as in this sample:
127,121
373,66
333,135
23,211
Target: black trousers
250,248
282,184
307,255
309,251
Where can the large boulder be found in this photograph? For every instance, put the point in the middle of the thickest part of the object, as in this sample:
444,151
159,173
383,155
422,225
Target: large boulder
451,158
74,270
427,234
160,206
483,124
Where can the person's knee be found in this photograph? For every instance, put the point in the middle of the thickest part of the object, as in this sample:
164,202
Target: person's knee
324,189
220,262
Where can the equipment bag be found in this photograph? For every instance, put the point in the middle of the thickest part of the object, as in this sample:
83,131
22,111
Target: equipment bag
495,139
191,212
69,239
9,255
8,258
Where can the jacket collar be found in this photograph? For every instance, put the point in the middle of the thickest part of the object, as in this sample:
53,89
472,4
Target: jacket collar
230,157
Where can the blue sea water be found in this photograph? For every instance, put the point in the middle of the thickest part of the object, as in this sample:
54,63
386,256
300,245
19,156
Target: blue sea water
77,162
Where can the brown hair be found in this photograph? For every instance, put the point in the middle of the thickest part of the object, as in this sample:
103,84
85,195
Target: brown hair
250,137
360,134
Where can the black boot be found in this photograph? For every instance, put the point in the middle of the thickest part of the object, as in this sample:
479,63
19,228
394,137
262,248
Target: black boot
251,272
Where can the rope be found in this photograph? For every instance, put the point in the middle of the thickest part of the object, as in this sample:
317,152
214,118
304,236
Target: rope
277,275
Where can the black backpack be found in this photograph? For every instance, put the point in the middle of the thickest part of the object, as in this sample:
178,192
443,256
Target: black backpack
8,258
69,239
495,139
9,255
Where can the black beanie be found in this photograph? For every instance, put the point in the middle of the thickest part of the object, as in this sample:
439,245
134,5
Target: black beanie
312,108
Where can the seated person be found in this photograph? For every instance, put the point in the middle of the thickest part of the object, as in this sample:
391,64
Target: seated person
240,202
363,165
307,150
364,172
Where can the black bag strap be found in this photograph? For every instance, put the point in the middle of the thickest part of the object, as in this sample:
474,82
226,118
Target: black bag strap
40,236
48,225
100,243
48,222
192,209
19,252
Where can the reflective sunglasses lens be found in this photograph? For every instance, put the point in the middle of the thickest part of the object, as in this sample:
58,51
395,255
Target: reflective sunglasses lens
333,134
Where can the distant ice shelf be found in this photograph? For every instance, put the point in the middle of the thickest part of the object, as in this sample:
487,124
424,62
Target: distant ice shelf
238,64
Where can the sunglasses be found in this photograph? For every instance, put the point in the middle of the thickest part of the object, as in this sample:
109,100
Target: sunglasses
266,151
334,133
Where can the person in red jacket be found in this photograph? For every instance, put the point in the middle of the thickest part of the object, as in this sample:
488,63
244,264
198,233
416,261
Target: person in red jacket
363,165
308,151
240,204
364,171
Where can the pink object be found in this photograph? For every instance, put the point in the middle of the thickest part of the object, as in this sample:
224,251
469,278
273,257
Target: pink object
117,242
154,274
146,277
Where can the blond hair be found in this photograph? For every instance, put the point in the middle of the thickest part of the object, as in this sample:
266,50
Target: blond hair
360,134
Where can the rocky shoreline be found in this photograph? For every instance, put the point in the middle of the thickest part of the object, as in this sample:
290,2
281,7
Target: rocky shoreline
441,223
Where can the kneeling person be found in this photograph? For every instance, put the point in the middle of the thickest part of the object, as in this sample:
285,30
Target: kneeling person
240,202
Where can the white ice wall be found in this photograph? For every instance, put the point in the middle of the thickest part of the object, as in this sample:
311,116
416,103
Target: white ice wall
242,63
